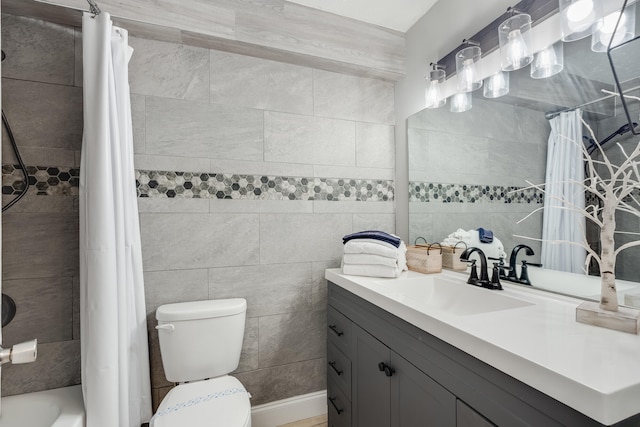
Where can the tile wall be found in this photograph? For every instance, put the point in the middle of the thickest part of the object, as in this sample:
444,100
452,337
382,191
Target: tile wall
249,173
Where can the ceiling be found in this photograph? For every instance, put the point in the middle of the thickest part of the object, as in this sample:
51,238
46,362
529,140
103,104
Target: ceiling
397,15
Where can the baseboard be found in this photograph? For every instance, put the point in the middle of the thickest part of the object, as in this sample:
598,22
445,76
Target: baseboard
284,411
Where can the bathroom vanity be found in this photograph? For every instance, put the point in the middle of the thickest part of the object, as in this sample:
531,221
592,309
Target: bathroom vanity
429,350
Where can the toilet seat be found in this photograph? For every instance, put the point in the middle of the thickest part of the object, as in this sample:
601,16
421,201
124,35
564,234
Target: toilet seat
221,401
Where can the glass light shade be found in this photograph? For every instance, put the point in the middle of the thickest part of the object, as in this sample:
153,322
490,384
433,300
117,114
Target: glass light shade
496,85
433,95
515,41
461,102
466,69
625,32
579,18
548,62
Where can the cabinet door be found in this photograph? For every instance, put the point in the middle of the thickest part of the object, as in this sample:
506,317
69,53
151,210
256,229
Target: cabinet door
417,400
371,389
467,417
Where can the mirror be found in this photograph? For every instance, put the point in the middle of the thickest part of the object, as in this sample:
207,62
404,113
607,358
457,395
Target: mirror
467,170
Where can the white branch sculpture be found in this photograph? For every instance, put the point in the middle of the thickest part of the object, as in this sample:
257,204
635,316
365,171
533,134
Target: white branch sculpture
614,189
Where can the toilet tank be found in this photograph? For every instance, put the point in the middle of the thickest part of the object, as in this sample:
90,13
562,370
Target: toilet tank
201,339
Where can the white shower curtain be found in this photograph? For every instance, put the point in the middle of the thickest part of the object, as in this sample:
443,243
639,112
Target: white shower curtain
115,361
565,163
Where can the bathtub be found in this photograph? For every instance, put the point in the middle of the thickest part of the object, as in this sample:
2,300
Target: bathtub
61,407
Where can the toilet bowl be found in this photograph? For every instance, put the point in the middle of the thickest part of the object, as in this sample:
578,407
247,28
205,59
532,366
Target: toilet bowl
200,344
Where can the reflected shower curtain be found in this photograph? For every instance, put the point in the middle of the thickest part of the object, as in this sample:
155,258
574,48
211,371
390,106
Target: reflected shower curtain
115,361
565,163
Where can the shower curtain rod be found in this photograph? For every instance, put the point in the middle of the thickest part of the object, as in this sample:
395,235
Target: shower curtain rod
93,7
550,115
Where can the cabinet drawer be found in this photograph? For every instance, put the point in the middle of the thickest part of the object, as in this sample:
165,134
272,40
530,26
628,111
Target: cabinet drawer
339,407
339,369
339,330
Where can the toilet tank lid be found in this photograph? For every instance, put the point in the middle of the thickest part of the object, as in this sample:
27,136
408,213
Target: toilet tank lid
201,309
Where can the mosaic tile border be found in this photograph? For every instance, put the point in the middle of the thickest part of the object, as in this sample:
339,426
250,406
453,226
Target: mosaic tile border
430,192
170,184
47,180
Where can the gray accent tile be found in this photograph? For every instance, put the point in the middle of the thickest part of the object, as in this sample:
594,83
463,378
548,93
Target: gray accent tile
58,365
186,241
43,115
268,289
353,98
281,382
375,146
176,128
50,239
165,287
37,50
310,140
44,310
169,70
259,83
293,337
317,237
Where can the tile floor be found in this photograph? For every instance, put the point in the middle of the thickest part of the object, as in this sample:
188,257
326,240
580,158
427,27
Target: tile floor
319,421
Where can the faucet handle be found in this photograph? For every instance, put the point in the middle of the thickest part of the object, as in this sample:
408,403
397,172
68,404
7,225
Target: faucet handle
473,277
496,275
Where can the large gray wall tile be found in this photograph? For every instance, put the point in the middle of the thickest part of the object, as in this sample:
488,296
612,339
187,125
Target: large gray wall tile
184,128
46,240
375,146
292,337
37,50
311,140
192,241
44,310
250,346
258,83
169,70
353,98
384,222
268,289
138,118
43,115
300,238
171,286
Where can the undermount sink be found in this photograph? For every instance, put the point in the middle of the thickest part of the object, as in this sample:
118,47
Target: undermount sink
450,296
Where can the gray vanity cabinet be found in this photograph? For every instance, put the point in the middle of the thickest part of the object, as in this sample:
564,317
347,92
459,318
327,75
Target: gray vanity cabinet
385,372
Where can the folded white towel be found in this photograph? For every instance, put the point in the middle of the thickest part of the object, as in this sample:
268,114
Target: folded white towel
494,249
370,270
360,259
374,247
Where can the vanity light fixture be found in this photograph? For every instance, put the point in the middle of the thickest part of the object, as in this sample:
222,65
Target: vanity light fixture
625,32
460,102
496,85
514,35
433,95
548,62
579,18
466,66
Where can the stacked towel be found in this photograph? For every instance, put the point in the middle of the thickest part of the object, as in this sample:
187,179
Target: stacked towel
373,253
494,249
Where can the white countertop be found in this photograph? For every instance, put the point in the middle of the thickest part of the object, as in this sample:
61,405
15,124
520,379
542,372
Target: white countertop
594,370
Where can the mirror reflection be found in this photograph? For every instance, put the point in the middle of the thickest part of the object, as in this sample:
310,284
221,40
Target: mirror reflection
470,169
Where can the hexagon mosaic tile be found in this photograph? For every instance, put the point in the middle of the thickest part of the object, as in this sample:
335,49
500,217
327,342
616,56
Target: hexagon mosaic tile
259,187
47,180
465,193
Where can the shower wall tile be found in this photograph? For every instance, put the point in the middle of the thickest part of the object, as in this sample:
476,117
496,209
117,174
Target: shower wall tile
354,173
280,382
171,163
43,115
302,238
261,206
292,337
34,203
176,128
76,308
261,167
45,310
310,140
58,365
152,205
185,241
322,206
42,52
259,83
384,222
78,74
35,155
170,286
353,98
268,289
169,70
138,119
50,238
375,146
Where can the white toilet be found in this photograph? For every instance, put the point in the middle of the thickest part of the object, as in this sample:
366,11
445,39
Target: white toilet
200,343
